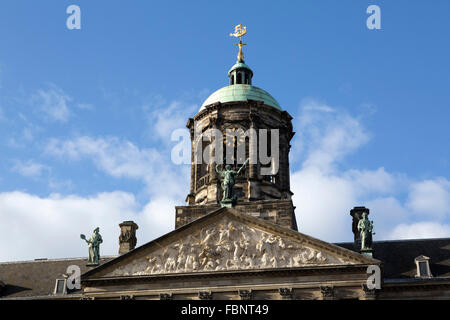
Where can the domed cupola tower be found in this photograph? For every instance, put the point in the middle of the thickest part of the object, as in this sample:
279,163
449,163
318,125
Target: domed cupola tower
249,125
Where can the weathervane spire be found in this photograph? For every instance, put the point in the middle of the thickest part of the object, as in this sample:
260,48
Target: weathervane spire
239,32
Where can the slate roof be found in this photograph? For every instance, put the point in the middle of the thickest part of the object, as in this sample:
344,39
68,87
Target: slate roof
27,279
37,278
398,256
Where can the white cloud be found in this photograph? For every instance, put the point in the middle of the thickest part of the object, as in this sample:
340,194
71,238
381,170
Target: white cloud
324,193
53,102
322,204
420,230
164,117
326,135
111,155
430,197
387,212
123,159
367,181
29,168
50,227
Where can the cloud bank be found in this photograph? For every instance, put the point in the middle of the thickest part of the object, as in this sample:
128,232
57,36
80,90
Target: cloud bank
324,193
324,188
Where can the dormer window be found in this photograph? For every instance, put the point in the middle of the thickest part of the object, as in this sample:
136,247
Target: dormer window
423,267
60,286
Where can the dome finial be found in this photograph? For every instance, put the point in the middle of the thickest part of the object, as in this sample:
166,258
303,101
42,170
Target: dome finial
239,32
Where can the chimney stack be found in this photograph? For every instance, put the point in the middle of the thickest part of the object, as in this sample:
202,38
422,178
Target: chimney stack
127,238
356,214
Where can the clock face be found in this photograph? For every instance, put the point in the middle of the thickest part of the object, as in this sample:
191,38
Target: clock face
234,137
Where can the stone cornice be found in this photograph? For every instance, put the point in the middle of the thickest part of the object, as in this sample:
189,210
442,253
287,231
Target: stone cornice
288,272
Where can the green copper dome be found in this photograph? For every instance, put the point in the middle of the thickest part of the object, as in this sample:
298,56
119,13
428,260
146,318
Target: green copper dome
241,92
240,88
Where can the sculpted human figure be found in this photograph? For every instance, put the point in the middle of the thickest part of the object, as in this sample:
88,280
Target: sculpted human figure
182,256
237,253
225,261
365,228
94,246
170,254
229,180
225,233
207,260
191,260
208,239
154,265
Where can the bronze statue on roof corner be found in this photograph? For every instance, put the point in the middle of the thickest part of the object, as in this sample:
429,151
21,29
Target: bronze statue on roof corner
365,227
94,247
229,198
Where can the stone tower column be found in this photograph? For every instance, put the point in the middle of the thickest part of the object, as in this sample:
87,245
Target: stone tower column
252,149
127,238
212,166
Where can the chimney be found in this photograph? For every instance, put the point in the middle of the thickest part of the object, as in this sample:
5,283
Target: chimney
127,238
356,214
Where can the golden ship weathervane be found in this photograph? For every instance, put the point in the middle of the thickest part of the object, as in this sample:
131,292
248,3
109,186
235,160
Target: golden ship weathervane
239,32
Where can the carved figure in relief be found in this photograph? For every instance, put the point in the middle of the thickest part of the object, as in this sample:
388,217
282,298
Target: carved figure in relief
208,239
191,260
154,265
182,255
226,233
226,246
225,261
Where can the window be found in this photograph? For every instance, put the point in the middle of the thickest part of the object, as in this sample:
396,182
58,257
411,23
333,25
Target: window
423,270
239,78
423,267
60,286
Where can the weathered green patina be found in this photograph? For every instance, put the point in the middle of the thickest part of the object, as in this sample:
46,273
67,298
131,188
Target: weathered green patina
365,227
229,198
241,92
239,65
94,247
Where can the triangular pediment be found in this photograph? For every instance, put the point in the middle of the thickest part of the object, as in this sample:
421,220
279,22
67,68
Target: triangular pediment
227,240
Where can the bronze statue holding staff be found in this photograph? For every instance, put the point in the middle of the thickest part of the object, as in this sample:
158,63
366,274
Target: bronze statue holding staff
229,181
94,246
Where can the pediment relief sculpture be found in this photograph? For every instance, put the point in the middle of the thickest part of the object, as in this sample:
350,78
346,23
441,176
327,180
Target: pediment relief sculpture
227,245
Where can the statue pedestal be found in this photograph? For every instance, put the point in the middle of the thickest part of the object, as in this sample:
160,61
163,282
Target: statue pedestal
228,203
92,265
367,252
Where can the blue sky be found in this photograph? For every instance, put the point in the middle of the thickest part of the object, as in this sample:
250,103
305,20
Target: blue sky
86,115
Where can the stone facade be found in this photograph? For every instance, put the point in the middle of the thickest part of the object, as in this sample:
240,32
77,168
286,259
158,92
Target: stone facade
232,255
252,250
239,117
280,212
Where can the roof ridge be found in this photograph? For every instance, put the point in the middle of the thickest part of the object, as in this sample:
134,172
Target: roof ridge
53,260
398,240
